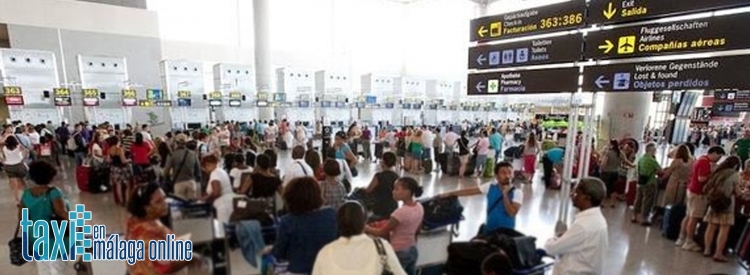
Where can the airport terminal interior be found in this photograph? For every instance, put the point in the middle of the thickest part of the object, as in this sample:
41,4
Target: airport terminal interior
458,137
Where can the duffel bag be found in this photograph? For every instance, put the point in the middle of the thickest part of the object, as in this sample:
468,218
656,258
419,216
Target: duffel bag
439,212
520,248
465,258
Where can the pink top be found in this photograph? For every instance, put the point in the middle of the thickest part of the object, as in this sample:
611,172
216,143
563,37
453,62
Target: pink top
409,219
483,146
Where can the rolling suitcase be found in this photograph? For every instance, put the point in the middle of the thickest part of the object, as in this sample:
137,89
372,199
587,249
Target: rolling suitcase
673,216
427,165
82,178
489,168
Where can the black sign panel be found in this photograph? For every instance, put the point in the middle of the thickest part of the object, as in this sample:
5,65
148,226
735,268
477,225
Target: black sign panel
699,74
533,52
558,17
612,11
732,96
524,82
730,107
697,35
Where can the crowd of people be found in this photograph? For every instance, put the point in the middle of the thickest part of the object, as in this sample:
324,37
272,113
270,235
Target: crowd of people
318,224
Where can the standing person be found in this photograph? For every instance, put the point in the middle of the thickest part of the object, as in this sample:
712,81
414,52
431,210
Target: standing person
463,153
365,140
583,246
240,172
426,145
334,192
648,169
415,146
14,165
300,135
355,253
354,133
437,146
307,228
741,147
483,150
530,150
496,143
342,150
381,187
43,201
62,134
552,160
679,175
298,167
141,151
219,190
120,172
696,202
449,139
503,199
183,169
610,170
403,226
724,183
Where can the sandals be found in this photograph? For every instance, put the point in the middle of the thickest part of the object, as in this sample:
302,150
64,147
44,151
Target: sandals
721,260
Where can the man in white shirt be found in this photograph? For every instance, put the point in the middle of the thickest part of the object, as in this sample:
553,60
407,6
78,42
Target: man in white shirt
145,132
583,246
300,135
33,135
450,139
426,143
298,167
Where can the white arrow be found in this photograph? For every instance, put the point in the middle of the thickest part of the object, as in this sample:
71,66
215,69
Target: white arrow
601,81
481,59
480,86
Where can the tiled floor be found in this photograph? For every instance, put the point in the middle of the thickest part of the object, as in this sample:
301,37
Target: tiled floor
633,249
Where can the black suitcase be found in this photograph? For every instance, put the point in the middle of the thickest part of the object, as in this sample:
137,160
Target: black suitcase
454,163
378,150
465,258
673,216
427,165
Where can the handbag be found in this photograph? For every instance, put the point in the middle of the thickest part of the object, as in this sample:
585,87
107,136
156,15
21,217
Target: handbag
383,257
171,181
15,247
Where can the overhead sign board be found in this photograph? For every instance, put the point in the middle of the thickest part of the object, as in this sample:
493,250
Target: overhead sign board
13,95
184,94
557,17
730,107
696,35
62,97
155,103
90,97
732,96
698,74
154,94
558,49
611,11
129,97
235,103
524,82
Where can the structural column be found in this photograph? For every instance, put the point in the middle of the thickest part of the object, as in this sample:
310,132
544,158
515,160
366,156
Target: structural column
263,67
625,114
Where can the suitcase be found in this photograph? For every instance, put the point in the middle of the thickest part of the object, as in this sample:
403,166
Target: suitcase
489,168
99,179
465,258
673,216
378,150
454,163
82,178
631,192
736,233
427,166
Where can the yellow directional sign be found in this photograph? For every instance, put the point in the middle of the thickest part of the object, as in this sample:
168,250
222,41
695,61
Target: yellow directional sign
626,45
482,31
128,93
496,29
183,94
607,46
61,92
12,90
610,11
90,93
235,95
215,95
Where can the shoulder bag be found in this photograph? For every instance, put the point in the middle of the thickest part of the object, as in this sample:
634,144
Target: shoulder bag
383,257
169,186
15,247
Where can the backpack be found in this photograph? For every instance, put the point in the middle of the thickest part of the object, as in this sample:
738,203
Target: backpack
717,200
519,152
71,143
439,212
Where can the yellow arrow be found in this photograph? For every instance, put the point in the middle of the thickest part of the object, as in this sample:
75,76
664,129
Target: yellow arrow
482,31
607,47
610,12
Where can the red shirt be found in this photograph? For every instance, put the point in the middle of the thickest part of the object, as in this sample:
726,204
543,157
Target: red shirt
701,168
140,153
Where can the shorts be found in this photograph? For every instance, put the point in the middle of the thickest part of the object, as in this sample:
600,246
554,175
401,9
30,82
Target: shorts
16,170
696,205
464,159
417,154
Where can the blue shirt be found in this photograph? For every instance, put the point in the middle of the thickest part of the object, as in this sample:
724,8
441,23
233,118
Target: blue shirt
341,152
497,217
496,141
555,155
301,237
